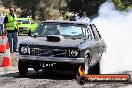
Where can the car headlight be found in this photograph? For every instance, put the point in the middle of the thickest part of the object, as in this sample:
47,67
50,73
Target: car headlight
73,53
24,50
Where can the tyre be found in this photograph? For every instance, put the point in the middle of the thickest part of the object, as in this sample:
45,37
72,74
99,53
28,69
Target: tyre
86,63
29,33
18,34
85,66
22,67
90,69
95,69
81,80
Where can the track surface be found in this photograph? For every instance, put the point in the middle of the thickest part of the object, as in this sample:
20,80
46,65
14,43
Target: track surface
11,79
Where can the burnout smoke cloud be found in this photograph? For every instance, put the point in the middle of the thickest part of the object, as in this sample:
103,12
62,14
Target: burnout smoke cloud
116,29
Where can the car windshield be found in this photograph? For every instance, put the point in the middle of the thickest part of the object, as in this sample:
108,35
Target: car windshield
64,29
23,21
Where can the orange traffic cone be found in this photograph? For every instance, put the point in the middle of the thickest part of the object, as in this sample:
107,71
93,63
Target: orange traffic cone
6,58
2,44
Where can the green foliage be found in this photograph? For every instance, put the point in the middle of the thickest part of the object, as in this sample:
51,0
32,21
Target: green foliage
7,3
37,9
119,5
89,6
127,3
33,7
92,6
42,8
28,7
122,4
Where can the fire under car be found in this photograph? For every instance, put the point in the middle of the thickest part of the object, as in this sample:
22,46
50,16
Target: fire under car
63,46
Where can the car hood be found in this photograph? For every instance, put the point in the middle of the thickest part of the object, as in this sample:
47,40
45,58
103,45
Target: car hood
43,41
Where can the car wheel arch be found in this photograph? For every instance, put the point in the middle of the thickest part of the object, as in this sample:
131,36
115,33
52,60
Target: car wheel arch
87,52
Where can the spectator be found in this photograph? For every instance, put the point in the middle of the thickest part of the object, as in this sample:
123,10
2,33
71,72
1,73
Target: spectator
11,29
1,23
82,17
50,17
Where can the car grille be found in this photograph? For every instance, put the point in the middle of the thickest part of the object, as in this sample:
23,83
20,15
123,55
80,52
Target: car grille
49,52
23,28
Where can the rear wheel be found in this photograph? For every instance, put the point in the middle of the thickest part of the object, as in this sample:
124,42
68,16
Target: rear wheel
22,67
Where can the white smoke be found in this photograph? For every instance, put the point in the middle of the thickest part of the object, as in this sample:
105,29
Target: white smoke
116,29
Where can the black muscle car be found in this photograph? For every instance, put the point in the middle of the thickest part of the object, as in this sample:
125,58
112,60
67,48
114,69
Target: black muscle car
62,45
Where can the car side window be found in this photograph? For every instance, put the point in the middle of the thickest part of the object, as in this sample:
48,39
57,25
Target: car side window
98,34
95,34
89,35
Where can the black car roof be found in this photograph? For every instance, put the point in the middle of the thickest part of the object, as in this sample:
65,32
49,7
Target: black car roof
64,21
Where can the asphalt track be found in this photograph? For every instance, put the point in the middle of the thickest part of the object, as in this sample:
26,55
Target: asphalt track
10,78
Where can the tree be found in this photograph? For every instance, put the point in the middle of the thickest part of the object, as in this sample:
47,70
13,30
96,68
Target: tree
28,7
7,3
119,5
89,6
42,9
33,7
122,5
60,4
127,3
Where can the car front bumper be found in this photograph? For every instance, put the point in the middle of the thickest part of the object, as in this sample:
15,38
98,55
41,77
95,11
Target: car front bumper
23,30
50,59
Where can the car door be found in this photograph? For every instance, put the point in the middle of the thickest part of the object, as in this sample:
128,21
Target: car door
93,48
100,41
97,43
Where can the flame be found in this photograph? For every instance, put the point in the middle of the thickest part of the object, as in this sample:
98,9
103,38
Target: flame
81,71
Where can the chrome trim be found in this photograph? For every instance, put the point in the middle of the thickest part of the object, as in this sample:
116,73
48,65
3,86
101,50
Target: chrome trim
49,52
49,58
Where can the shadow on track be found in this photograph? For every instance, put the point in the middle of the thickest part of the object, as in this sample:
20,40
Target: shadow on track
56,75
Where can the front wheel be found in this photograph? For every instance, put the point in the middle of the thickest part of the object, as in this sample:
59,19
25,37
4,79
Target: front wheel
22,67
86,64
84,67
18,33
29,33
95,69
91,69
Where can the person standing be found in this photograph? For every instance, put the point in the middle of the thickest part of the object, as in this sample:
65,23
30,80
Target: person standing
82,17
50,17
11,29
1,23
85,18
